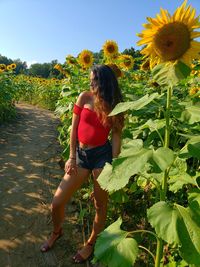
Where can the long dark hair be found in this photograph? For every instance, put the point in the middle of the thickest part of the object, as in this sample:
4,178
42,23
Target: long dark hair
107,95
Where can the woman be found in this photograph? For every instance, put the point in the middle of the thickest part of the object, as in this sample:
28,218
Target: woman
89,151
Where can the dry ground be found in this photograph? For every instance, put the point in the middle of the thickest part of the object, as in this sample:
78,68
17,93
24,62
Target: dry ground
29,175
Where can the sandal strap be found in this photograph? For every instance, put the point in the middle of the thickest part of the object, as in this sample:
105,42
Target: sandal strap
90,244
58,233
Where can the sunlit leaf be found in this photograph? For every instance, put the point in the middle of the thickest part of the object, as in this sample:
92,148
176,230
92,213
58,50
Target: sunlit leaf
134,105
176,182
191,114
116,176
163,157
194,196
191,148
179,176
114,249
170,74
131,148
177,225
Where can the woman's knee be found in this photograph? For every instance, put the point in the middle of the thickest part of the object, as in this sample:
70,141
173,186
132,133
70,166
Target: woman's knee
57,203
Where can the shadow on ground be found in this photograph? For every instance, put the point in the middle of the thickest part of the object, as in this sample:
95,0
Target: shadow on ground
29,175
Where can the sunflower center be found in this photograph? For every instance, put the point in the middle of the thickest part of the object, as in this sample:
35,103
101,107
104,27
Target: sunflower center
172,41
110,49
87,59
127,62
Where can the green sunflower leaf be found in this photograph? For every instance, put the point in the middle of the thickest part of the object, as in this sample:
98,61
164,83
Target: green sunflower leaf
134,105
170,74
116,176
194,196
176,182
178,226
114,249
191,114
179,176
163,157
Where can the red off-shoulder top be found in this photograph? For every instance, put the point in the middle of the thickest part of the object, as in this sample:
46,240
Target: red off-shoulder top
90,129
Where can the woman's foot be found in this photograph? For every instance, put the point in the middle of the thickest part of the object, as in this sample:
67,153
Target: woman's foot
49,243
84,254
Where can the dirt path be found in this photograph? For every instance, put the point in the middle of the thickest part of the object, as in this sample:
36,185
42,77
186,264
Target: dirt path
29,175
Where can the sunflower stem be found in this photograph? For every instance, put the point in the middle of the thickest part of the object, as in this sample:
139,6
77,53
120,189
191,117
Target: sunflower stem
166,143
159,252
163,191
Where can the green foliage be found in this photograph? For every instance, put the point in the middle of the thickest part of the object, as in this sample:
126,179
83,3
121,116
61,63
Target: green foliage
164,157
178,226
40,70
134,159
159,159
169,74
136,105
191,114
7,96
114,249
21,67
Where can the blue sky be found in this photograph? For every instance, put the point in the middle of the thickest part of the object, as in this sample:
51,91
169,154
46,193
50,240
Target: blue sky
44,30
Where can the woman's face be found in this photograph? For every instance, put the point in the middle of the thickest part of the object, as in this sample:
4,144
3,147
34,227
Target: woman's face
92,81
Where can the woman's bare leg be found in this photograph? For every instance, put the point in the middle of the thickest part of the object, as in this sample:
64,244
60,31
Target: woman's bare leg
100,202
68,185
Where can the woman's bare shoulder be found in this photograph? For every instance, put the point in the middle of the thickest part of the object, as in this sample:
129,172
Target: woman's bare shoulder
84,98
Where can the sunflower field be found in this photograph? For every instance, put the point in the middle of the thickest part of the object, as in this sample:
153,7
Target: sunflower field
7,92
154,208
34,90
154,183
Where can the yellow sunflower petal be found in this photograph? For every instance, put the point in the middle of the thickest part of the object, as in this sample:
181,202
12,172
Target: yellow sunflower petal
194,23
179,11
195,34
187,14
153,21
192,14
195,45
147,25
170,38
144,41
165,15
160,19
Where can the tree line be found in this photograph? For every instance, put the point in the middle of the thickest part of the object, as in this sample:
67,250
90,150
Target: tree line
46,70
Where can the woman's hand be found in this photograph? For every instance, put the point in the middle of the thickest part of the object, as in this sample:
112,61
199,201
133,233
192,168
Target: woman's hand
70,166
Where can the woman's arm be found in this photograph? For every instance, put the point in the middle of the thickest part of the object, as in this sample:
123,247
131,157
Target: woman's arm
116,143
70,165
73,136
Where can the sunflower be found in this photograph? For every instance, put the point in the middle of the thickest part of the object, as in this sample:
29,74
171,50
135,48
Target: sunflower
85,59
58,67
9,67
193,90
71,60
169,38
13,66
145,65
118,73
110,49
2,67
194,72
126,62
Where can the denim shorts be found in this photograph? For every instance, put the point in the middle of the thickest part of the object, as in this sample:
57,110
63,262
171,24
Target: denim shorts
94,158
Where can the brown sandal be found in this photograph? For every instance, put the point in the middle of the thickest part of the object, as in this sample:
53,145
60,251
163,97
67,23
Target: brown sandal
78,258
45,247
